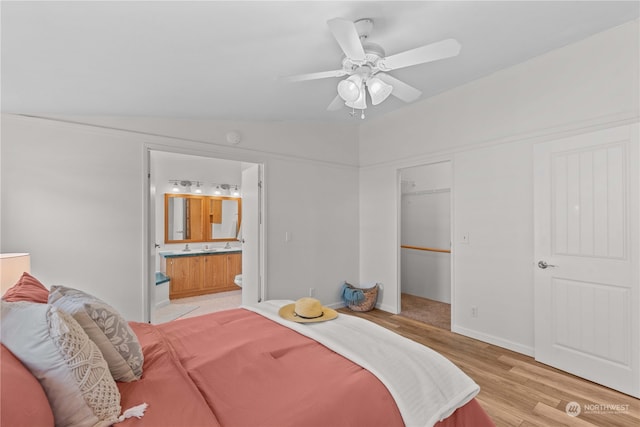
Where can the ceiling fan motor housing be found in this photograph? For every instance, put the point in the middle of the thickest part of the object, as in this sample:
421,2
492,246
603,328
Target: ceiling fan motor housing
373,53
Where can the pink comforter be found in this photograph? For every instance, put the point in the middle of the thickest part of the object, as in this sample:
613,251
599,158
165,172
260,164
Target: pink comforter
238,369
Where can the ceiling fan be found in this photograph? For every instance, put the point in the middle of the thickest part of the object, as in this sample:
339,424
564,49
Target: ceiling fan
366,65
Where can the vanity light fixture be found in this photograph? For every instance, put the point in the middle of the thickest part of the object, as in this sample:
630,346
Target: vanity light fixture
184,185
226,190
188,186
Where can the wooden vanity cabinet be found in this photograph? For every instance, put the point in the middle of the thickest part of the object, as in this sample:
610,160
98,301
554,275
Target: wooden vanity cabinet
202,274
185,274
214,272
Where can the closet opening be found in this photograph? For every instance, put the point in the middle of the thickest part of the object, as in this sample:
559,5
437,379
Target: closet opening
425,244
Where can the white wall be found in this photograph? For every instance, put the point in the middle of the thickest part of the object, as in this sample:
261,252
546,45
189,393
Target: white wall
487,128
73,196
317,205
333,143
493,199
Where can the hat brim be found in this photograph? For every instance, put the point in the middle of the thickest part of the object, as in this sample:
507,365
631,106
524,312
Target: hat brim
288,312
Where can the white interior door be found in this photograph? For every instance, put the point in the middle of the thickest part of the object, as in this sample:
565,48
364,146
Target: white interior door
586,256
150,236
252,286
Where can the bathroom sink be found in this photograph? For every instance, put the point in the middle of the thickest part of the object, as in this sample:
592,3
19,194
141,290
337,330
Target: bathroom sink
189,252
197,251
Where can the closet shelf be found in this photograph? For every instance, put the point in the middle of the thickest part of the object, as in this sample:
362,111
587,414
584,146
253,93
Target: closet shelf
421,248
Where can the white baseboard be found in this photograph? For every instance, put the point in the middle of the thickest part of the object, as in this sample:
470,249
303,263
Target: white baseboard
387,308
336,305
163,303
491,339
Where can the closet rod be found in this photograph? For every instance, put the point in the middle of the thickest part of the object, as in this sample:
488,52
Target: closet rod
420,248
422,192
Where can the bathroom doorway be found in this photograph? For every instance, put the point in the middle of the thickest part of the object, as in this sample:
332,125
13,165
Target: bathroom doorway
201,179
425,249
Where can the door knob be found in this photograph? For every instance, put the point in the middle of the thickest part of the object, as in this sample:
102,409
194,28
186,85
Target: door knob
543,265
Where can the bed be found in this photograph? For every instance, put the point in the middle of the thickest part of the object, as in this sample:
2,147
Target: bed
248,367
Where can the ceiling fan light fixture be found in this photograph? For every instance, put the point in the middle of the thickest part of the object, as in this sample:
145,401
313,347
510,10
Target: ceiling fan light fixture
378,90
366,63
350,89
361,102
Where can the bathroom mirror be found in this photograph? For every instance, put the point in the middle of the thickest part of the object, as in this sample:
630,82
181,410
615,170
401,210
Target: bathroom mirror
194,218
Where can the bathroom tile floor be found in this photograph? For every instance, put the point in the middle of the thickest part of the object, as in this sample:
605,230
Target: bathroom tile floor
204,303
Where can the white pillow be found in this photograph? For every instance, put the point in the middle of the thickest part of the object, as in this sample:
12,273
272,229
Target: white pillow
106,327
70,367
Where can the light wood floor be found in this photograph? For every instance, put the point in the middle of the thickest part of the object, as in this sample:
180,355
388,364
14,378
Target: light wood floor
515,389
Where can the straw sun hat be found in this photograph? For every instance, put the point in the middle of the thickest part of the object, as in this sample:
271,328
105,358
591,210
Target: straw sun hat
307,310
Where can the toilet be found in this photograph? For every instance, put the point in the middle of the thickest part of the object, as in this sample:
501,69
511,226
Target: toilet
238,280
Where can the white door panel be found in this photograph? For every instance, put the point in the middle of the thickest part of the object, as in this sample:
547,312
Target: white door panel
251,235
588,204
586,228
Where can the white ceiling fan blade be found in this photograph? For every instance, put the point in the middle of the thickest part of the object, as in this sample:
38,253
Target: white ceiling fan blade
347,37
431,52
336,104
401,90
315,76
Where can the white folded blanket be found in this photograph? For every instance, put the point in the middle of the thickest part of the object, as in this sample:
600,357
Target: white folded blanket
426,386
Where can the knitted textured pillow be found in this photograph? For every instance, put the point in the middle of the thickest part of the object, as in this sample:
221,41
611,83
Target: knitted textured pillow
106,327
70,367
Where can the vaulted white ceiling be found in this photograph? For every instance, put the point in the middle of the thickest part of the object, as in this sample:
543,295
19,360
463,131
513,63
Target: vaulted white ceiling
223,60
